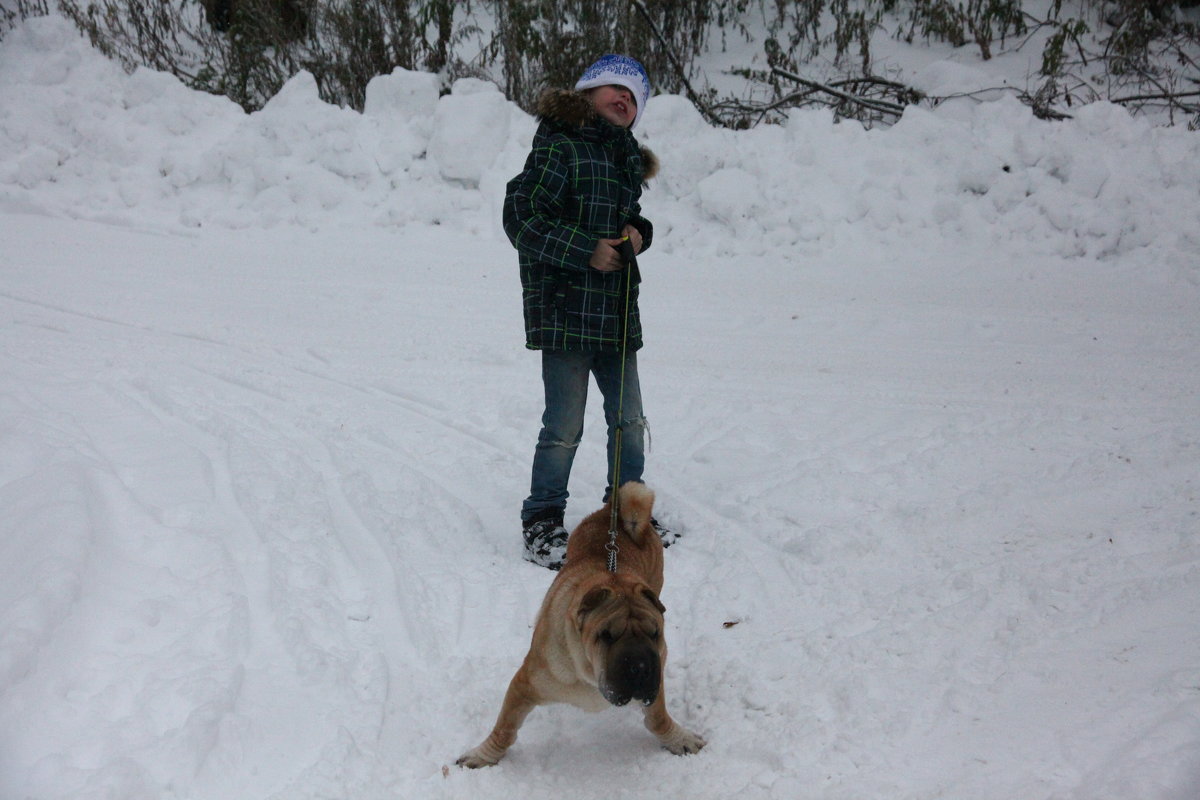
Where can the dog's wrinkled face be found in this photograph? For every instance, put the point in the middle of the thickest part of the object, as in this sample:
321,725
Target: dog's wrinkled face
622,633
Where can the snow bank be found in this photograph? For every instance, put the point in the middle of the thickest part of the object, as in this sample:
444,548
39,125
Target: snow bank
143,150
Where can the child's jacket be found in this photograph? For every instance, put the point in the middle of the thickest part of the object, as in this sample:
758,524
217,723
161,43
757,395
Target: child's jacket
581,183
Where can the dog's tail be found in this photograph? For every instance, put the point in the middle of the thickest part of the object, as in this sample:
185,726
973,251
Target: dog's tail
636,503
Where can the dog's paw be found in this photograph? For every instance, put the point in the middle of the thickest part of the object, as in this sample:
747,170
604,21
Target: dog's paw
683,742
475,758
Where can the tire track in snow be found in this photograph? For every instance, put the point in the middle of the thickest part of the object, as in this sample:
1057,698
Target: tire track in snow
253,406
400,497
312,636
148,590
395,518
407,497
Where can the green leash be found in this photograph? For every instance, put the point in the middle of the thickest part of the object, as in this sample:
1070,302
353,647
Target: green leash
631,269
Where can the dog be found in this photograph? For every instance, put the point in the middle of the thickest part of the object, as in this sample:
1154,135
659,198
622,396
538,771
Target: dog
598,640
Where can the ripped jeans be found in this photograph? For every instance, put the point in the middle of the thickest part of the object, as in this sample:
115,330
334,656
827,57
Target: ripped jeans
565,378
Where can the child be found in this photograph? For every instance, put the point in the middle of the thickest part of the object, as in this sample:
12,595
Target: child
567,213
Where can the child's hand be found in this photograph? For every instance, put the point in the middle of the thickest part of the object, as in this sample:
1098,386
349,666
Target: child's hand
605,257
634,236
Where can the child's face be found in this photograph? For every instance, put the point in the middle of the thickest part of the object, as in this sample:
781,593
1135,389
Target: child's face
615,104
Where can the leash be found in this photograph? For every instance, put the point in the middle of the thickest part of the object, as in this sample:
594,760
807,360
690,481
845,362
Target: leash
631,269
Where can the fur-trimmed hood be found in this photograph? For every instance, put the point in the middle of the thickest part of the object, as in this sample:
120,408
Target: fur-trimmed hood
573,109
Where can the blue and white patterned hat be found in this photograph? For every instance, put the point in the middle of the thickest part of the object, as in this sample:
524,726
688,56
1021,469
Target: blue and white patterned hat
621,71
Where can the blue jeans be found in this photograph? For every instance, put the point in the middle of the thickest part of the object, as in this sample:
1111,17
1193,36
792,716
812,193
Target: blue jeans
565,378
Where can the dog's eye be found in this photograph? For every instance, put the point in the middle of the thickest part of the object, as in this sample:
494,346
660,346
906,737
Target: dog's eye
654,635
607,637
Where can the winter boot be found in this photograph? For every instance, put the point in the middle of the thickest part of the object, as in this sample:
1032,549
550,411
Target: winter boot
668,536
546,539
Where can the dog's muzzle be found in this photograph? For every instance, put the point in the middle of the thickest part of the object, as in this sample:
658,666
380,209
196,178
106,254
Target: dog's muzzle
632,672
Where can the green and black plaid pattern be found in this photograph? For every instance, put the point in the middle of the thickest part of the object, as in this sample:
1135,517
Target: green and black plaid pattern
579,185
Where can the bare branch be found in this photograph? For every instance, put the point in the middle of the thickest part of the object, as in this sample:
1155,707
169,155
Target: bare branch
874,105
679,70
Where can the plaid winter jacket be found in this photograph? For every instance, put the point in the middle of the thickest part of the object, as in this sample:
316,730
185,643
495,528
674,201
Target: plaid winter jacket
581,183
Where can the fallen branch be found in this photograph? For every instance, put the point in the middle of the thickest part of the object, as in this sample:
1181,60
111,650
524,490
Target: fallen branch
882,106
1165,96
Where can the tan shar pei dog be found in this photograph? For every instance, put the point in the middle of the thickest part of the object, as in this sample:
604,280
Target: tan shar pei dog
598,640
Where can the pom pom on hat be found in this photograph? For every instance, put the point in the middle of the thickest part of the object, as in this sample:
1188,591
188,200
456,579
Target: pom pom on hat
620,71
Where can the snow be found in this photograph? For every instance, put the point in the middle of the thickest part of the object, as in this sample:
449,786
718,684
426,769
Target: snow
923,404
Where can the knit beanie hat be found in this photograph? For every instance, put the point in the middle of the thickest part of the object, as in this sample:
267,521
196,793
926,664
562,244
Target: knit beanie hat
620,71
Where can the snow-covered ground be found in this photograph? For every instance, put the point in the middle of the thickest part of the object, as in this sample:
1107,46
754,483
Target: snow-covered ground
924,402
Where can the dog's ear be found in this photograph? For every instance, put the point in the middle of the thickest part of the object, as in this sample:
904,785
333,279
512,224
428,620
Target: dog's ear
649,594
591,601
